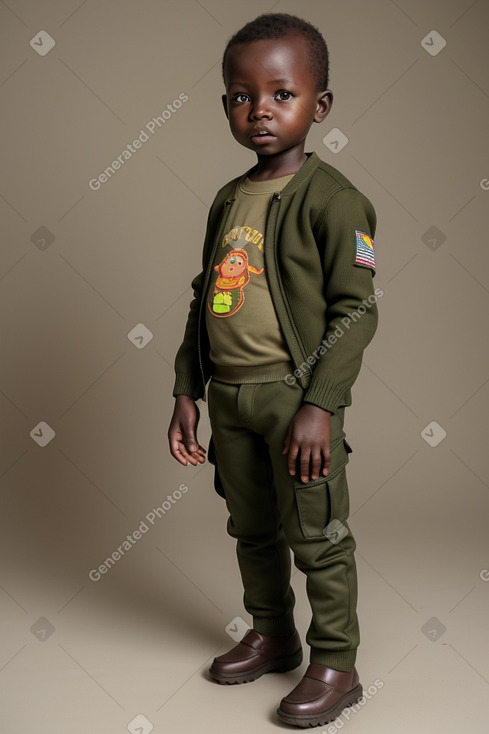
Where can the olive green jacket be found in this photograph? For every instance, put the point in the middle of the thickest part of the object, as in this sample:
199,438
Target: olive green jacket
322,292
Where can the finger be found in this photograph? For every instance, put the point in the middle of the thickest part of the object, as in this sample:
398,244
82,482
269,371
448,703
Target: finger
181,448
287,441
191,444
292,460
305,464
326,463
199,455
177,450
316,463
193,458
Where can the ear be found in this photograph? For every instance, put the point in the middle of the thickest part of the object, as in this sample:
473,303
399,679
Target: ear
324,104
225,105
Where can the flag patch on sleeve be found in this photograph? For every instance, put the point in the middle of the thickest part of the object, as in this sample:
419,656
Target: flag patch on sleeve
365,254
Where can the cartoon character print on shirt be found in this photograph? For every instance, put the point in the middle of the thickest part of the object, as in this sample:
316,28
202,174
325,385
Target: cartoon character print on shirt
234,273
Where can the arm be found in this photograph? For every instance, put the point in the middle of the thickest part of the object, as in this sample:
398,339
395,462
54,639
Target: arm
188,378
189,381
351,313
351,321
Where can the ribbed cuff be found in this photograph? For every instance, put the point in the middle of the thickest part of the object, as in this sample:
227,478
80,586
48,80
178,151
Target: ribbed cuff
343,660
327,395
185,385
275,627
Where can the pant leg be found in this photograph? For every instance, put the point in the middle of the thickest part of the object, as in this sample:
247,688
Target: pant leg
305,510
246,472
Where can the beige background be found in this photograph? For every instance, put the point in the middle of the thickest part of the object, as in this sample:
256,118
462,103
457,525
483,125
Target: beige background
79,655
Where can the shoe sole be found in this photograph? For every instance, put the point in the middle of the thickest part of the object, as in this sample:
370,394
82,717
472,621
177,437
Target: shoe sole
328,716
281,665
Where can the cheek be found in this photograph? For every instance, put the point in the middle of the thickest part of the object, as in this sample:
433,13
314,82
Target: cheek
238,116
297,116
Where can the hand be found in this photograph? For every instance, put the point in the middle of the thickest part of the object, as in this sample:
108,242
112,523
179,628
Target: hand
182,433
307,443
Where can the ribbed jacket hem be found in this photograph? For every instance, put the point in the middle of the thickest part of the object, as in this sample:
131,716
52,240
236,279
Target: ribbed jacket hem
242,375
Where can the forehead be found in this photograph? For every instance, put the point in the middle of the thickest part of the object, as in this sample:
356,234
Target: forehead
268,60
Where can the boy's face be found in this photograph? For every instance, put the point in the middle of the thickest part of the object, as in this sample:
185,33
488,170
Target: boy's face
269,89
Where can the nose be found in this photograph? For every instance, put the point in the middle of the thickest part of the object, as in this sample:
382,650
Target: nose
261,109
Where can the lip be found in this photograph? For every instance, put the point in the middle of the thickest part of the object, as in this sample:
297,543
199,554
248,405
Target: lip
256,137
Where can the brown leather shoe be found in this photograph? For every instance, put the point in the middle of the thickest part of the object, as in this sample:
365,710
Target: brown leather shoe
255,655
320,697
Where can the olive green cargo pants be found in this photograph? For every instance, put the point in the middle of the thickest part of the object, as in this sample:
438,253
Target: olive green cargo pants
270,512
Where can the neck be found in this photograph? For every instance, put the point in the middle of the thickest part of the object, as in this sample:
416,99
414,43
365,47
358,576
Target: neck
275,166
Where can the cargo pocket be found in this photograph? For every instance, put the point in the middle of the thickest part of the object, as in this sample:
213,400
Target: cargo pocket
324,499
313,506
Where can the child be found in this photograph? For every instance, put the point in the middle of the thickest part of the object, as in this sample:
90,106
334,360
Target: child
282,312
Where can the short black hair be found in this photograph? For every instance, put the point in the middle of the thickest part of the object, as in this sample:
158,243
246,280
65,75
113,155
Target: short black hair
280,25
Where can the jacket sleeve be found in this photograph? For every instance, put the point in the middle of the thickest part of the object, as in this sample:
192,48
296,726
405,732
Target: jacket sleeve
351,304
189,379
